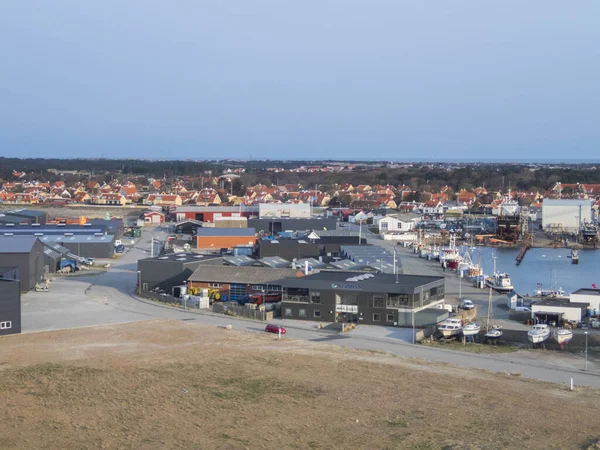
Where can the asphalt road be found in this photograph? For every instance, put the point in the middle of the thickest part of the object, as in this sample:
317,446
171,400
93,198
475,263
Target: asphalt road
107,299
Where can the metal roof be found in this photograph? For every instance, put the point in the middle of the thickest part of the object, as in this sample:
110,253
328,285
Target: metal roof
51,253
225,232
346,264
57,248
240,260
79,239
275,261
566,202
337,233
379,282
17,244
47,230
241,275
26,213
186,258
312,262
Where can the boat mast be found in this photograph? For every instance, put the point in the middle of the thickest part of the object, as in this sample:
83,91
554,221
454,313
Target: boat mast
489,310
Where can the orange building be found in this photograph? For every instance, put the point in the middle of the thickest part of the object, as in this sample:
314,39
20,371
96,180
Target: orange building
215,238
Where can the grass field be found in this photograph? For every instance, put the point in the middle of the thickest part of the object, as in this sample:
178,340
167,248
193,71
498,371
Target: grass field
167,384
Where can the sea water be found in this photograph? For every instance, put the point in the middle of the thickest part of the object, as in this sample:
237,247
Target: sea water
551,267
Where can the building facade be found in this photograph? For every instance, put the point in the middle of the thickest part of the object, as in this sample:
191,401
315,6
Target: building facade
10,301
27,254
565,214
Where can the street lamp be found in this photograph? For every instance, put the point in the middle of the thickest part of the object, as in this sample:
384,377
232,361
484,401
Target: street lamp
586,358
139,272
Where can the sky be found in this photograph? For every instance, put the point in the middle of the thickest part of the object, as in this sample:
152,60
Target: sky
323,79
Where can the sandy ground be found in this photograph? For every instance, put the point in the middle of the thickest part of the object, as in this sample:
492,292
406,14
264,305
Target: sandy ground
175,384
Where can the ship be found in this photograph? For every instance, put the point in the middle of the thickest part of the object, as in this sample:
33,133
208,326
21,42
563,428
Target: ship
575,256
500,282
589,231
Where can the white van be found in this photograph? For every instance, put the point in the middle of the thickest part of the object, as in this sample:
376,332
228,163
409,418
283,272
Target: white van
467,304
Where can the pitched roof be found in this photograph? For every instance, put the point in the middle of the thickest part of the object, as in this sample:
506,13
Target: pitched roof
241,275
17,244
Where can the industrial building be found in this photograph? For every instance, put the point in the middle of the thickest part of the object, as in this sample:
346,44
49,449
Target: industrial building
217,238
9,229
554,311
35,216
15,220
27,254
85,246
284,210
366,298
289,249
235,283
209,213
167,271
565,215
110,226
588,296
10,301
276,225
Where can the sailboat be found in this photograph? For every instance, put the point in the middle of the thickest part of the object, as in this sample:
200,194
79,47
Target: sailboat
493,333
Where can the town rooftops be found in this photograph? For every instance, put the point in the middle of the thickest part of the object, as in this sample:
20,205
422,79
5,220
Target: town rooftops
17,244
367,282
225,232
242,275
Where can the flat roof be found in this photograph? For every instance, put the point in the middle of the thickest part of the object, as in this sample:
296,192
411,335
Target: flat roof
566,202
199,209
185,258
206,232
587,291
26,212
559,302
367,282
78,239
242,275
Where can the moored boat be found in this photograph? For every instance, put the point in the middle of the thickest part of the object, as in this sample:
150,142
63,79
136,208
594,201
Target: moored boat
499,282
538,334
575,256
450,327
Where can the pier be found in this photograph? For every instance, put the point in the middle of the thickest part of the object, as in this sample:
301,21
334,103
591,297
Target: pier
522,253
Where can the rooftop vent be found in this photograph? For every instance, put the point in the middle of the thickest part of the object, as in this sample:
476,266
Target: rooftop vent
68,234
163,257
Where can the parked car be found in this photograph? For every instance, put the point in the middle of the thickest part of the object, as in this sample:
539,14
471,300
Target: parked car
522,308
90,261
273,328
467,304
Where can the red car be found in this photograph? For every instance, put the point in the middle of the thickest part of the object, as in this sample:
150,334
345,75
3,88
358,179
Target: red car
272,328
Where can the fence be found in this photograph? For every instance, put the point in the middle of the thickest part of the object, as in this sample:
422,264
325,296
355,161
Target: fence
190,302
234,309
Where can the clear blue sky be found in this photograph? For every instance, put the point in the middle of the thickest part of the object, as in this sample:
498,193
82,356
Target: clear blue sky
318,79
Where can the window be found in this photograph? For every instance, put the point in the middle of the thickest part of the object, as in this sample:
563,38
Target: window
288,312
376,317
302,312
214,285
315,297
390,318
317,313
378,301
397,300
258,287
383,226
5,325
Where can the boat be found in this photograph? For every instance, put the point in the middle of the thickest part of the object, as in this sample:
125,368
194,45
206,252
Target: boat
450,256
538,334
499,282
575,256
563,336
540,292
471,329
493,334
589,231
450,327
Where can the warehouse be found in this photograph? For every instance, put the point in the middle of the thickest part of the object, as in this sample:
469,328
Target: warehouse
10,301
233,283
209,213
588,296
102,246
40,230
565,215
36,216
15,220
277,225
289,249
27,254
554,311
189,226
217,238
51,260
111,226
284,211
372,299
165,272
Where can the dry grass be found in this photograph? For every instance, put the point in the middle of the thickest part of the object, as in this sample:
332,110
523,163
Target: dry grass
163,384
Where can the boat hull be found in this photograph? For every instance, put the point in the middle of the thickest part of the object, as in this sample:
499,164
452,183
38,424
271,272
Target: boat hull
493,336
503,289
450,333
563,339
471,332
538,338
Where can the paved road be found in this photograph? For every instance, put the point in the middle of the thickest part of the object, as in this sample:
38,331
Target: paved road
106,299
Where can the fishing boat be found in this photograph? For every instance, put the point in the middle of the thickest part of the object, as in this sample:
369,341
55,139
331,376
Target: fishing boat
589,231
538,334
450,256
450,327
499,281
563,336
471,329
493,334
574,256
541,292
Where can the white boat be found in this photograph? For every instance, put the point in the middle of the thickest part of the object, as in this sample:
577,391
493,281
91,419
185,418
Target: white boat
499,282
540,292
471,329
493,334
450,327
538,334
563,336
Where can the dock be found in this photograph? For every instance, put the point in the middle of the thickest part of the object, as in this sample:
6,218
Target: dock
522,253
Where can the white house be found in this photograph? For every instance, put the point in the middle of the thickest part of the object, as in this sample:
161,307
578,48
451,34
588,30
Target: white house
588,296
391,223
553,310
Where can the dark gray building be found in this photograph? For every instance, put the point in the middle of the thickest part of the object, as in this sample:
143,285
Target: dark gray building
366,298
52,259
41,230
165,272
86,246
15,220
10,301
26,253
276,225
36,216
112,226
289,249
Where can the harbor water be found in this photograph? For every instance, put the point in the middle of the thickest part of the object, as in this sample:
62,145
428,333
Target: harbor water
549,266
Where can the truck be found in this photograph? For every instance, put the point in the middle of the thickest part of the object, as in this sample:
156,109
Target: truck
262,297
